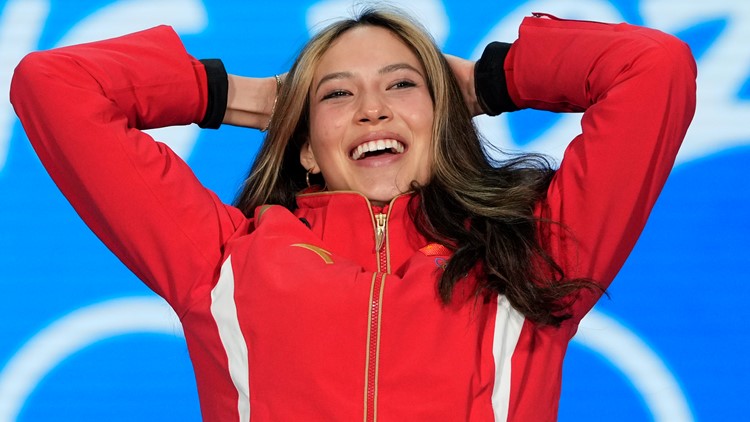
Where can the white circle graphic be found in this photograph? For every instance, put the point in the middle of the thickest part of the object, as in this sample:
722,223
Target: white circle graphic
86,326
627,352
74,332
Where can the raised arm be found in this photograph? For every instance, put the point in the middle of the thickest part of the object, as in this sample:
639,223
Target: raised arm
250,101
636,87
83,109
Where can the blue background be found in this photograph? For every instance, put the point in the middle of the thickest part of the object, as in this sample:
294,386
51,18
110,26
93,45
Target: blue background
682,293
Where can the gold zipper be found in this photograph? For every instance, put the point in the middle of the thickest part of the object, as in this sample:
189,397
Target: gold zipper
375,314
380,220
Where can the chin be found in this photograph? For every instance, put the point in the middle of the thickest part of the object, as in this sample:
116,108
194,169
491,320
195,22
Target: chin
381,198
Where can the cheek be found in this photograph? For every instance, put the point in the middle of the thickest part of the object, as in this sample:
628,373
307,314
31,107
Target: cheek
326,131
326,125
422,114
317,122
422,121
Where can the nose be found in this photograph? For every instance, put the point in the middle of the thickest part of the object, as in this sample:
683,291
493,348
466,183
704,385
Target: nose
373,109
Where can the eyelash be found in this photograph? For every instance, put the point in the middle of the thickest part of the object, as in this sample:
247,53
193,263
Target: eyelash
335,94
341,93
404,84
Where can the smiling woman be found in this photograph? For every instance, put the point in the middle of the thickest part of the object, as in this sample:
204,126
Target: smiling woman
381,96
418,280
404,93
385,89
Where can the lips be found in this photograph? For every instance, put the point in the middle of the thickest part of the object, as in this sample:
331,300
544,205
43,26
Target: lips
376,147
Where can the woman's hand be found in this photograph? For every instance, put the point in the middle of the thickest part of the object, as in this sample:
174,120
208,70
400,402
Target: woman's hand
250,101
463,70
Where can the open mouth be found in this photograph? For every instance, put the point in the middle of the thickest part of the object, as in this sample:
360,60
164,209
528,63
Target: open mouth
375,148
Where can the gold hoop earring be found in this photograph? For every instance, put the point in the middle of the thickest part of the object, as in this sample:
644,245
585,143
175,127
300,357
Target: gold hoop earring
317,188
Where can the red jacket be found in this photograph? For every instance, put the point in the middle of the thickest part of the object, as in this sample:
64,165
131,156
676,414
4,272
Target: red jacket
286,322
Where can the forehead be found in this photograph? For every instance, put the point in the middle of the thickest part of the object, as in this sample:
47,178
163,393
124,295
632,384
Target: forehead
365,47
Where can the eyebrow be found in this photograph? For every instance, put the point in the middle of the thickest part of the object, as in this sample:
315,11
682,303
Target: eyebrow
331,76
382,71
397,66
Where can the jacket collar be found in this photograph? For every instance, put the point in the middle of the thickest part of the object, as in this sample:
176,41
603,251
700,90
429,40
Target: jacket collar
346,222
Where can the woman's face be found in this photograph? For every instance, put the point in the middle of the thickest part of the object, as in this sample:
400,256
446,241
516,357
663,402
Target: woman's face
370,116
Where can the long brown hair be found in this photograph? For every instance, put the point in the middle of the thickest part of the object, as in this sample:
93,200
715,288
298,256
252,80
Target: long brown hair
482,209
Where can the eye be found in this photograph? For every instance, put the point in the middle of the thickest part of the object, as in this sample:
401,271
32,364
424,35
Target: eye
403,84
336,94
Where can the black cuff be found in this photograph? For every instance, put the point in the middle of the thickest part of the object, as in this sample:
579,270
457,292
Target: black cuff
218,87
489,80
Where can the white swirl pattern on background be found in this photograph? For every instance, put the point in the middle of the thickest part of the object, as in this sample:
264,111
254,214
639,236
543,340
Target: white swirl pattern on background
718,127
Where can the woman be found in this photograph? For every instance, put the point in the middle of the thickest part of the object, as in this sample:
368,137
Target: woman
412,280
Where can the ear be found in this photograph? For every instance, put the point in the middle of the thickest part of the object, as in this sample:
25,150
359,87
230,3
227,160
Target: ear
307,158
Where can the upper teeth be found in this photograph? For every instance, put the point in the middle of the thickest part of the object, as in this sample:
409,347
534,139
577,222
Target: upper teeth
379,145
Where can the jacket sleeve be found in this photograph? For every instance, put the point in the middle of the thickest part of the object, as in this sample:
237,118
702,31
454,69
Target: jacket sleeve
636,89
83,108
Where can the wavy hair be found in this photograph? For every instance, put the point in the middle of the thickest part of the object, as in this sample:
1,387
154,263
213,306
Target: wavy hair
480,208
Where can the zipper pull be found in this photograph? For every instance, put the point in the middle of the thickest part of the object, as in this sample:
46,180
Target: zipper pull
380,220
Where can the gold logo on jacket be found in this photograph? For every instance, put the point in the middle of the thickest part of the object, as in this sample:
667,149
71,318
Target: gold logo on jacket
324,254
